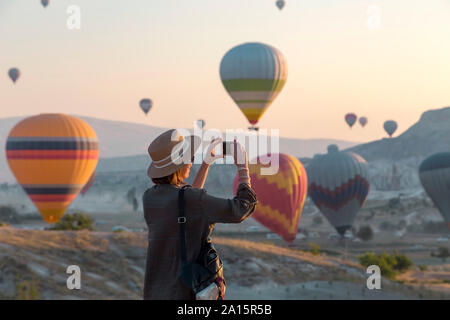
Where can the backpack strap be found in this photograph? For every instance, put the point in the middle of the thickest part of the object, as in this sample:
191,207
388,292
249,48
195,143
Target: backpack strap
182,224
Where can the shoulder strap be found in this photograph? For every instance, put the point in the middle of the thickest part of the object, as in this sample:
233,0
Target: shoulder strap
182,223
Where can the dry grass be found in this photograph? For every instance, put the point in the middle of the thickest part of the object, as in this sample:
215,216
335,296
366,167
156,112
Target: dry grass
113,264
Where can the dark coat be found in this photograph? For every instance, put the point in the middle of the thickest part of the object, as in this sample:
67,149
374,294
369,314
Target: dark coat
202,212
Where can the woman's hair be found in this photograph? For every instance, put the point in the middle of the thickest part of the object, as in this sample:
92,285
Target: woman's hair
174,178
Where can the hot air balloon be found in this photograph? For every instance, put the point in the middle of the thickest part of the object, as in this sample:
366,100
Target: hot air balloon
52,157
434,173
89,184
45,3
280,4
14,74
280,196
146,104
363,121
338,186
201,123
350,118
253,74
390,126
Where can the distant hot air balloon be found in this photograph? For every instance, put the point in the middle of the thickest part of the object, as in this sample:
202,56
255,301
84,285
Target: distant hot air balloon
146,104
14,74
89,184
52,157
201,123
363,121
338,186
45,3
350,118
390,127
280,4
434,173
280,196
253,74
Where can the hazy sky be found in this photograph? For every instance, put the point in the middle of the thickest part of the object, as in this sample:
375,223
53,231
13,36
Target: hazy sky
170,51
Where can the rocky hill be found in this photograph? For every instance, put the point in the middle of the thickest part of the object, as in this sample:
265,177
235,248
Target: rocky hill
431,134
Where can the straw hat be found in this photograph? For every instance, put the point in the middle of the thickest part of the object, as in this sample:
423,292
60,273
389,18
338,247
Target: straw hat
170,151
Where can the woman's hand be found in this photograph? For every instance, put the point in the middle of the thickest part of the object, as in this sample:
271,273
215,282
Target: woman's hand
210,156
240,155
240,159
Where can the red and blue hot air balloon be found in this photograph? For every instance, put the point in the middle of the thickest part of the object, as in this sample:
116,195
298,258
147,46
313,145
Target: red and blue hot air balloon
338,186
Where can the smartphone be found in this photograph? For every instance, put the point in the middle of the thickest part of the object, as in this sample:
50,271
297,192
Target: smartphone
227,147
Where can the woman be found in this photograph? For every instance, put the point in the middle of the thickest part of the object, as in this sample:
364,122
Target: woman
202,210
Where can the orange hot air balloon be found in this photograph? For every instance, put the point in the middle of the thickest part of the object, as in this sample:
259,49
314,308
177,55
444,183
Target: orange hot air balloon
280,196
89,184
52,157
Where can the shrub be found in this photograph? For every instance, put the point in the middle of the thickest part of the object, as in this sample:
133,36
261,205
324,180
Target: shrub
27,290
403,262
390,265
76,221
315,248
9,214
365,233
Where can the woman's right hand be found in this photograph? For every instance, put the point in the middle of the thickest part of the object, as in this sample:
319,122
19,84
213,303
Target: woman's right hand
240,159
240,155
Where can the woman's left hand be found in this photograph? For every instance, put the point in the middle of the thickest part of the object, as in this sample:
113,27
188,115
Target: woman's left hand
210,156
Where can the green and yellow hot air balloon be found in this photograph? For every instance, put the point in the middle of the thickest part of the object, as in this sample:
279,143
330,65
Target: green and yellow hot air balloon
253,74
52,157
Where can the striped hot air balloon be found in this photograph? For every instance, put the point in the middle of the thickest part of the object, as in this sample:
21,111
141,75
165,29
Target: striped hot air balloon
280,196
338,186
351,118
253,74
89,184
434,173
52,157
